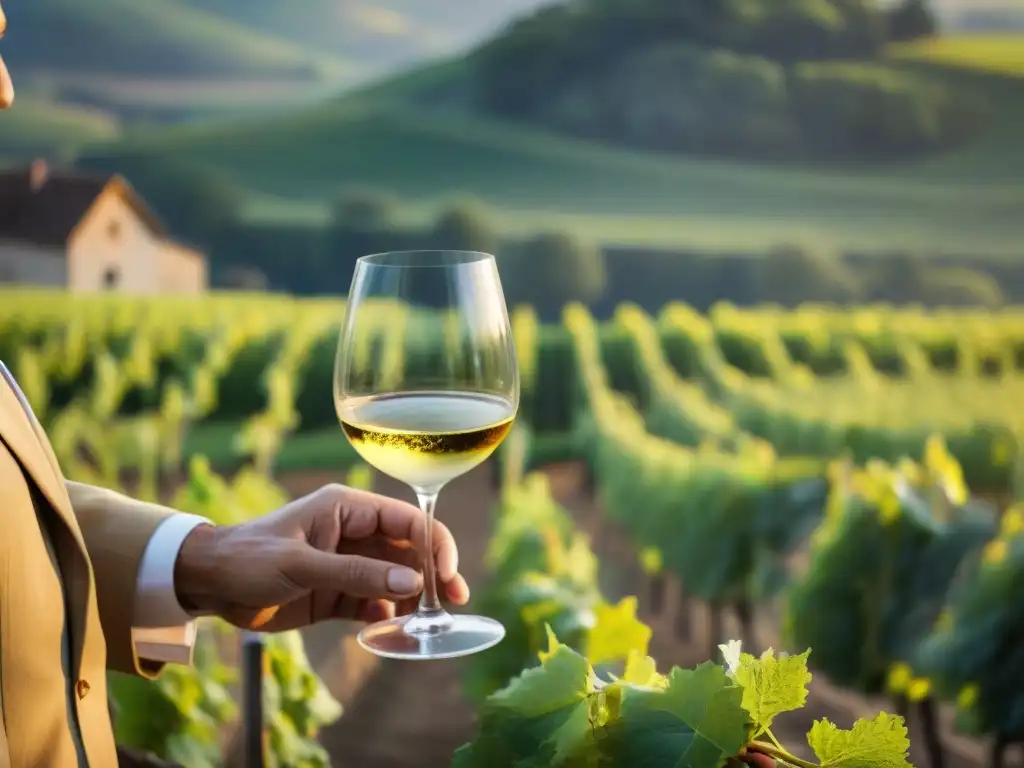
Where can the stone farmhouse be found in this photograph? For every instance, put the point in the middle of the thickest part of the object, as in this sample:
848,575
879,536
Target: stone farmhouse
88,233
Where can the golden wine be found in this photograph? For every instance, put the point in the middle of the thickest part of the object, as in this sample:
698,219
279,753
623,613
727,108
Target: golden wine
425,439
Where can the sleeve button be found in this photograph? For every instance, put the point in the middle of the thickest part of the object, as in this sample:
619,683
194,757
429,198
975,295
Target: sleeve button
82,687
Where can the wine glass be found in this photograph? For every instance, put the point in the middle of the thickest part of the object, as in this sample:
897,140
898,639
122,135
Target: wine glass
426,387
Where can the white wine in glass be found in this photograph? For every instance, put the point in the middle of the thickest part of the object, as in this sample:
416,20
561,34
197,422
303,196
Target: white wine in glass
426,387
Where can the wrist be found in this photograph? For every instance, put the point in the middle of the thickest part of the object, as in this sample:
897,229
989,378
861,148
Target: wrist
195,570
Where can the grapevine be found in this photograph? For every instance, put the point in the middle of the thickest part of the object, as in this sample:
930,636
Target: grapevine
562,713
571,709
719,443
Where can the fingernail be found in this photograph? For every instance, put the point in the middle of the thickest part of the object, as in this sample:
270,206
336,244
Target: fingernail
402,581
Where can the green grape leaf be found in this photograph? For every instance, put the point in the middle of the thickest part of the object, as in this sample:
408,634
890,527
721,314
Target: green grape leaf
617,632
547,705
642,671
772,685
696,722
485,750
878,743
490,752
187,751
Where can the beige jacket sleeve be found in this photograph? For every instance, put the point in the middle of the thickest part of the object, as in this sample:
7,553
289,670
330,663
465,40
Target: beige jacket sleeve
116,530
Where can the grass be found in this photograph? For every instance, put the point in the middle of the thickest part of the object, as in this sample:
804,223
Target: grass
157,37
1001,54
969,201
155,100
535,180
384,32
35,126
145,63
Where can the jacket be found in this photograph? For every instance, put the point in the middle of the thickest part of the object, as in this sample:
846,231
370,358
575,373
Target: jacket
70,557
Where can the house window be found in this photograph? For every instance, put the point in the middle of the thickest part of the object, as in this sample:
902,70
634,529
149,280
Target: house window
111,277
114,230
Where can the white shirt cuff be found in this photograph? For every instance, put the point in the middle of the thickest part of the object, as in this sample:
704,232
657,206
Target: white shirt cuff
162,630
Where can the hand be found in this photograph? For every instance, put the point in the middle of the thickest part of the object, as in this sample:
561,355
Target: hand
753,759
338,553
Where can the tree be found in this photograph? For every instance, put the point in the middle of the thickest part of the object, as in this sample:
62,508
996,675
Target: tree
952,287
363,221
363,210
910,20
243,279
465,226
794,273
552,269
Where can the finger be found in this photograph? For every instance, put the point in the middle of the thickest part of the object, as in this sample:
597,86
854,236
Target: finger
457,590
403,553
376,610
353,575
346,607
365,513
380,547
405,607
758,760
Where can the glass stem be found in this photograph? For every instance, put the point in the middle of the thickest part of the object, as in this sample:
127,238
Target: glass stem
429,602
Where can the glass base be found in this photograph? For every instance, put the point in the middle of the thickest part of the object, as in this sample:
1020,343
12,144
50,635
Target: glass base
431,636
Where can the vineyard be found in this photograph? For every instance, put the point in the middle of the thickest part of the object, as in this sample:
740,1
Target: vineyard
824,479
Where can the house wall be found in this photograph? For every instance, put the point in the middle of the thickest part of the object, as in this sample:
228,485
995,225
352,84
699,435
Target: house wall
24,263
183,270
113,249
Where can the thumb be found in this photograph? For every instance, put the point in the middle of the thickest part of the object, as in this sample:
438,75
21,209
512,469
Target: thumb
363,577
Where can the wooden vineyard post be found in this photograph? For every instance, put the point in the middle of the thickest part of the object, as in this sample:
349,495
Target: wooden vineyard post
252,700
715,628
589,480
901,706
634,575
656,587
744,610
929,720
683,620
997,756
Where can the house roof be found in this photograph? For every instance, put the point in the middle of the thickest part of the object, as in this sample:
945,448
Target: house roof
44,206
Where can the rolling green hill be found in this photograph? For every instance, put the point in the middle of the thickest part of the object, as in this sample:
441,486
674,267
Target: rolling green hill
966,202
157,37
1001,54
381,33
903,174
81,67
39,127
